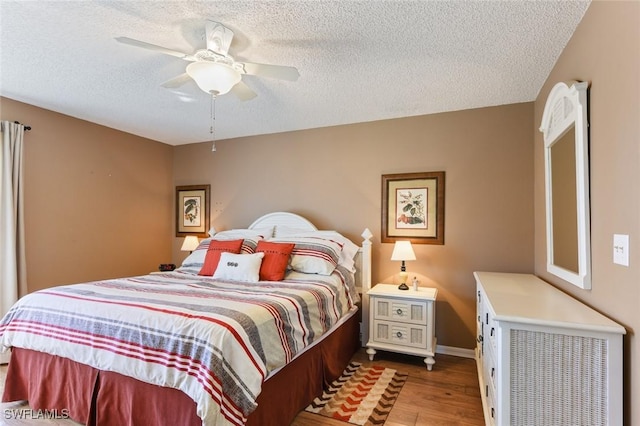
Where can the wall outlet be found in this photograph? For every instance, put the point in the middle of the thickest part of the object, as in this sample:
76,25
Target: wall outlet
621,249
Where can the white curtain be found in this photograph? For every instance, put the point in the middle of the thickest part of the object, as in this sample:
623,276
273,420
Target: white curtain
13,269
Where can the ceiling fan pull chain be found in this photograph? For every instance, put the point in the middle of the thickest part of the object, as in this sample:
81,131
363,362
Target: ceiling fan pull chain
213,122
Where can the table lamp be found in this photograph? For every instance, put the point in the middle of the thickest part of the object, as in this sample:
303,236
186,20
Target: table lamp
403,251
190,243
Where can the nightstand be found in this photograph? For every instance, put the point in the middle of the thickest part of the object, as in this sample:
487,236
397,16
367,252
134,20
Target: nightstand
402,321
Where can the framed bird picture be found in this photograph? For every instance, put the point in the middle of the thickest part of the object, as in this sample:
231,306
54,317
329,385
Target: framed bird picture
192,210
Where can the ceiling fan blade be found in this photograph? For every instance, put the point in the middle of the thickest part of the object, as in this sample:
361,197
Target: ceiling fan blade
149,46
218,37
243,92
273,71
176,81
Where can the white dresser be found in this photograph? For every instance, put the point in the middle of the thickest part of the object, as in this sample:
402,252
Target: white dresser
543,357
402,321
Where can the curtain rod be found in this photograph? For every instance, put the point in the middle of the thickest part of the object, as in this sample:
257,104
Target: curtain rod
25,126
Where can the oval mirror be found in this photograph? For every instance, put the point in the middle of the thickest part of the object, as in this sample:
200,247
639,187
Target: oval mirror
566,159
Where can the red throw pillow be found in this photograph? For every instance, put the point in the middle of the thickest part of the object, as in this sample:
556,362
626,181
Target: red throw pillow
275,261
213,254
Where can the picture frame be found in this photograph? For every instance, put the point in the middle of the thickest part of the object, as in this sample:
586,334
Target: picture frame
413,207
192,210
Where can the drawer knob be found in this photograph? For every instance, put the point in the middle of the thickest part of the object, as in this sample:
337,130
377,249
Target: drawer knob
399,334
480,338
399,311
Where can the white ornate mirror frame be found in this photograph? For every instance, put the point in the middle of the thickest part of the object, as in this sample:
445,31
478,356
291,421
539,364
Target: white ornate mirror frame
565,129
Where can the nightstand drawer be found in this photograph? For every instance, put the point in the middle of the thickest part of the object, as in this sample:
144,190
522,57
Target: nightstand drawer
400,334
408,311
402,321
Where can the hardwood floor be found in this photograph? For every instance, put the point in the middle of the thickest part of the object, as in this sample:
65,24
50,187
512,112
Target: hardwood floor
447,395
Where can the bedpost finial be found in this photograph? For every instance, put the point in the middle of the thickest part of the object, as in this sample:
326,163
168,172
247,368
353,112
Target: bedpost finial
367,235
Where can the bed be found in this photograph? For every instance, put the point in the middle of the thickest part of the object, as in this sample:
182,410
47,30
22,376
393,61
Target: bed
242,345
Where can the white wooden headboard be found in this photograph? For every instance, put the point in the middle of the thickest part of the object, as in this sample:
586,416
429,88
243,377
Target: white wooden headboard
276,219
363,258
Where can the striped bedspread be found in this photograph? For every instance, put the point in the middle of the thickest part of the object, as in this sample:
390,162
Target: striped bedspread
216,341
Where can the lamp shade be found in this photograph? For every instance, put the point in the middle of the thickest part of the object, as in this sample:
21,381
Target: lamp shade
213,77
403,251
190,243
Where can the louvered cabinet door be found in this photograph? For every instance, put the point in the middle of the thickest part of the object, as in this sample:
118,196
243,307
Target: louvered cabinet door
402,321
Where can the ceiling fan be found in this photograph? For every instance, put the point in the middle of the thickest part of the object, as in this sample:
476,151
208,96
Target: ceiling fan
213,69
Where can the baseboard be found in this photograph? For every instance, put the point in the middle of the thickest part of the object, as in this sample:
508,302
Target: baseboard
445,350
450,350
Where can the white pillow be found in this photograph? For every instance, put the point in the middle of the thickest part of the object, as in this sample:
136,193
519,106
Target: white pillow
239,267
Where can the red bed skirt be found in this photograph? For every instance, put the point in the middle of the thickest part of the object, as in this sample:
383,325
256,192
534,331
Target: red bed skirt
95,397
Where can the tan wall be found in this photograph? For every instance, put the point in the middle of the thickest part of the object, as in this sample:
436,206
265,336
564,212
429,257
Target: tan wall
333,177
605,51
98,202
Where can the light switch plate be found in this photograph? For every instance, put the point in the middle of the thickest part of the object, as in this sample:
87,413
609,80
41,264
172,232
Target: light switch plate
621,249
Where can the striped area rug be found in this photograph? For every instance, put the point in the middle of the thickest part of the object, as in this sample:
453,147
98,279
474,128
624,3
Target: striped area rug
361,396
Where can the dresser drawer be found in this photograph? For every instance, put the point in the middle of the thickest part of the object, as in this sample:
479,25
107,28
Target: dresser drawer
490,332
407,311
400,334
492,403
489,365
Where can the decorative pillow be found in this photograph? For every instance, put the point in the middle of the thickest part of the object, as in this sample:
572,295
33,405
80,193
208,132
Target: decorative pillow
195,261
216,248
239,267
276,259
313,255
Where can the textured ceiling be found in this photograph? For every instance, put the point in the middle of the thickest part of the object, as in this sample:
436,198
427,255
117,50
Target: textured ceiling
359,61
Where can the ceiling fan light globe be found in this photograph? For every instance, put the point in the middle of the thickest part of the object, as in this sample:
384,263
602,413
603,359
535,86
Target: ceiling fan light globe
213,77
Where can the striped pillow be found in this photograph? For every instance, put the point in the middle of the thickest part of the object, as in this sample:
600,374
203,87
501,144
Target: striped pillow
311,255
250,236
349,249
